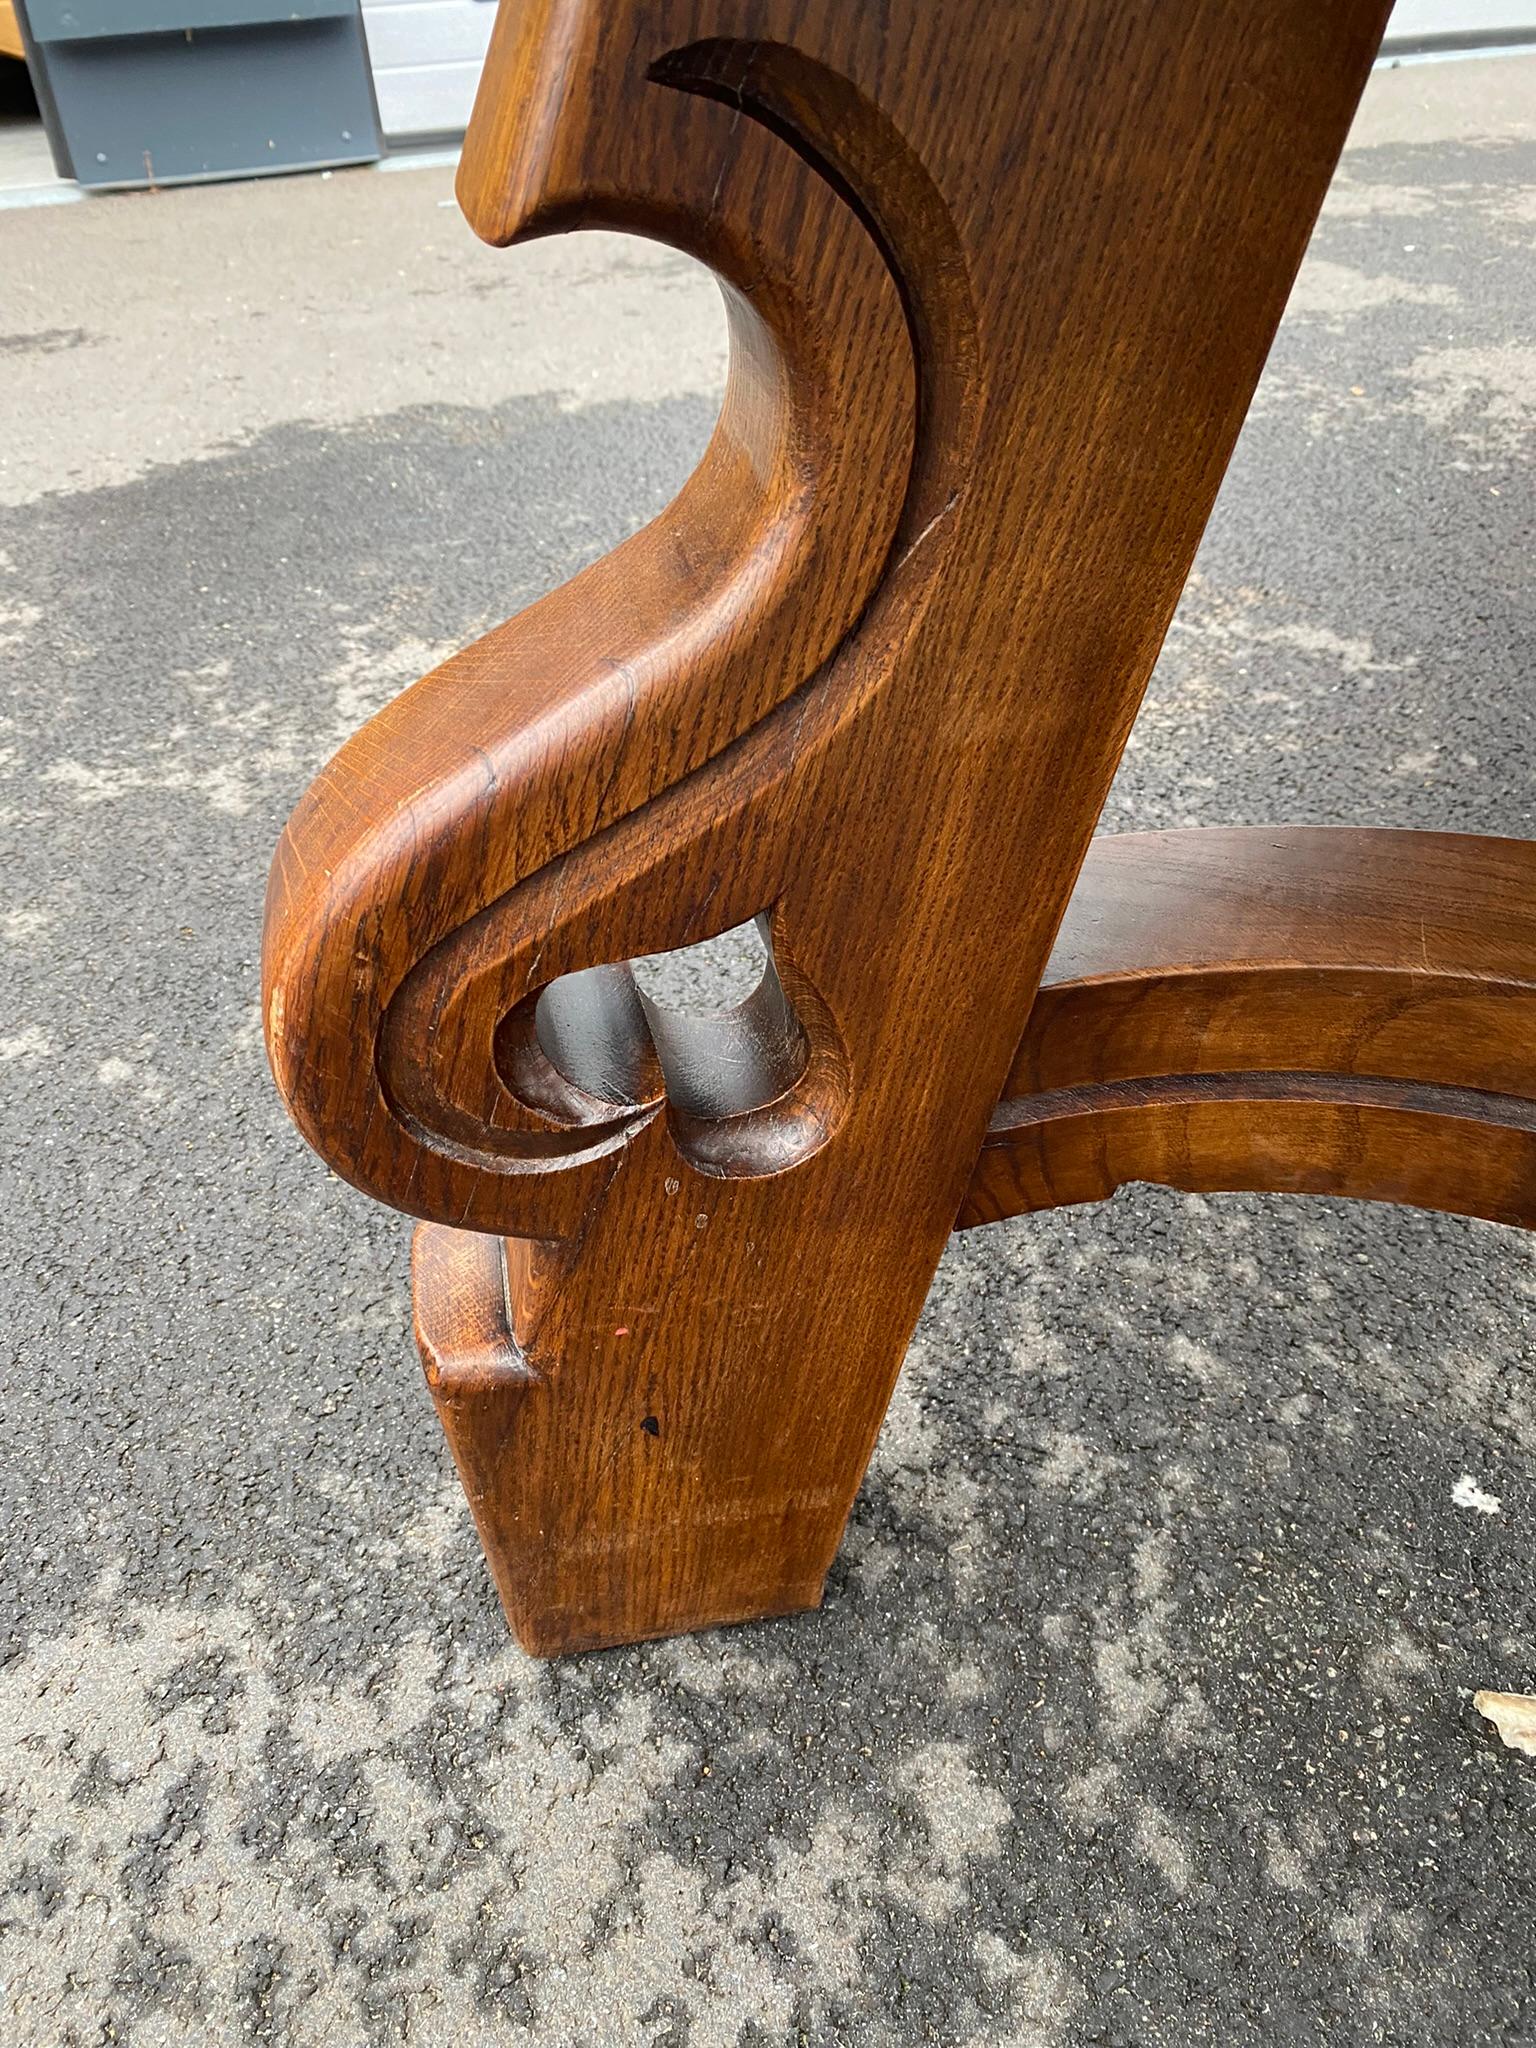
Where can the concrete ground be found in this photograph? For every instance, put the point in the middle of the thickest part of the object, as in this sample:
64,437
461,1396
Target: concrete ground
1138,1711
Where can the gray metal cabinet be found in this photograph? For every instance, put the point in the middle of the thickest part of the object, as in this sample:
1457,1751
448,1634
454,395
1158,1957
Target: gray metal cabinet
157,92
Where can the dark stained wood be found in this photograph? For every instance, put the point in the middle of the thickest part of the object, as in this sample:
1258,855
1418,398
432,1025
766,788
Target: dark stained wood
1305,1011
1000,279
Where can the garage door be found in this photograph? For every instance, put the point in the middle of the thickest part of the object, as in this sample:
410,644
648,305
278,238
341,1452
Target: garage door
1470,21
427,53
426,62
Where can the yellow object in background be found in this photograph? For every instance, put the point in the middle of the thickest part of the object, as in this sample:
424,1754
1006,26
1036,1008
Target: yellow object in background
10,31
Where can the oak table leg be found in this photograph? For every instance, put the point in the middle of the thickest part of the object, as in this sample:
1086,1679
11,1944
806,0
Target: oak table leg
1000,280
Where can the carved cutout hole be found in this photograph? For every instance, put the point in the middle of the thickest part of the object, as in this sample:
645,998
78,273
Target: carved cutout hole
708,1032
702,980
725,1033
707,1026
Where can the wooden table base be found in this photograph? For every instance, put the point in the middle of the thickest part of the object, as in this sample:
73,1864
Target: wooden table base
1297,1011
1319,1012
1000,278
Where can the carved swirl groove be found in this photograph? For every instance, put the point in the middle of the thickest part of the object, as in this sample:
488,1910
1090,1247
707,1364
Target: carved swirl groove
621,887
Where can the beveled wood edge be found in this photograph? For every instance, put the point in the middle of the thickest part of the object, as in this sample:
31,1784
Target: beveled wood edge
463,1324
1183,1037
478,1379
1444,1149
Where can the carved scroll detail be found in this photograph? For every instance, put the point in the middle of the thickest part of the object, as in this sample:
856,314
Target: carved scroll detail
829,474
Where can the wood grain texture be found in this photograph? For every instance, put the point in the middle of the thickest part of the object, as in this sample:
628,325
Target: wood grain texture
1000,281
1304,1011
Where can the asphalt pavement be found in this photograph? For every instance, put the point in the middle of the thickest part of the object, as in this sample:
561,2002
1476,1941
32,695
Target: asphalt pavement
1139,1708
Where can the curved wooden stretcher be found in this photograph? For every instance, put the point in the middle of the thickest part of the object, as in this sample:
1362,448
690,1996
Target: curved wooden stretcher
1000,279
